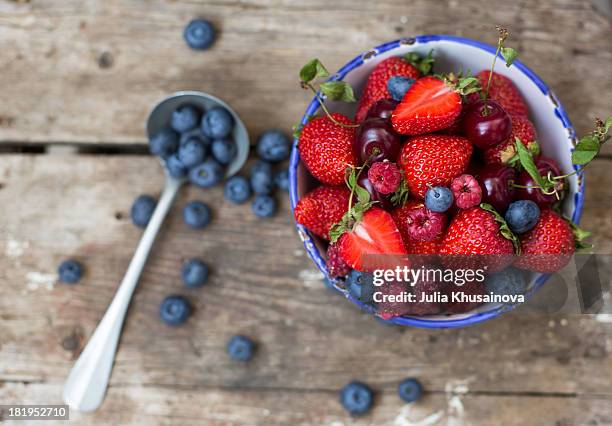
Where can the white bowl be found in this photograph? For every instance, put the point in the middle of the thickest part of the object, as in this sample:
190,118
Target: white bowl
555,135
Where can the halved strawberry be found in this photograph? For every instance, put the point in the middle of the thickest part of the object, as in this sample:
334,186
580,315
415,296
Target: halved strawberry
373,243
429,105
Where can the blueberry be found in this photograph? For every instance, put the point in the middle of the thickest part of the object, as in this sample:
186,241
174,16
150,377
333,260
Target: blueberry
224,150
164,143
206,174
192,152
281,180
356,398
194,133
194,273
240,348
410,390
264,206
262,179
217,123
184,118
273,145
398,86
142,210
174,310
199,34
438,199
70,271
508,282
196,214
360,286
522,216
175,167
237,189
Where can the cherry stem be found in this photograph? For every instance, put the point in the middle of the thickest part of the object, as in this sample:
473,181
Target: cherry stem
322,103
500,43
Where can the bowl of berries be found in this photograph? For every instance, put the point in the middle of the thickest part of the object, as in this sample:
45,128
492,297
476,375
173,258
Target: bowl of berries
404,158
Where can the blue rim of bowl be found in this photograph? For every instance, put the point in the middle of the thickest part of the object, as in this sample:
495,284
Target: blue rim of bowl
313,107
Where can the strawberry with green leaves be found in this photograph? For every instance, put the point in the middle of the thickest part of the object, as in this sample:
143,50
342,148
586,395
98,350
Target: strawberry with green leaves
322,208
505,153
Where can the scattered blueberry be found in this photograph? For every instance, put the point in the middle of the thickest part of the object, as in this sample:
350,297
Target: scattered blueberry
192,152
175,167
194,133
360,286
262,179
174,310
70,271
508,282
194,273
224,150
217,123
356,398
264,206
184,118
142,210
196,214
240,348
164,143
398,86
438,199
237,189
199,34
410,390
522,216
281,179
273,145
206,174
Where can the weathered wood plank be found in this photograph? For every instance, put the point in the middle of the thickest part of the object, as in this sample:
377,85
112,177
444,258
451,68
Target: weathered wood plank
263,285
75,71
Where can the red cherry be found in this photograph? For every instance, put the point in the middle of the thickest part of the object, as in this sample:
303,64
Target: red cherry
376,141
382,108
496,182
535,194
486,123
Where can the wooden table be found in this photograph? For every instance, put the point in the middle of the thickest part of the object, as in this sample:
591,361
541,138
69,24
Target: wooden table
77,80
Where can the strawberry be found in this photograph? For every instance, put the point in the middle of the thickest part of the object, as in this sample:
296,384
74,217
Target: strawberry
374,234
429,105
505,152
504,92
326,148
549,246
433,160
321,208
478,231
376,86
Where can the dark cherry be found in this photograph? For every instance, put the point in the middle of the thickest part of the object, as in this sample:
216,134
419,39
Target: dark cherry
382,108
384,201
376,141
544,165
486,123
496,182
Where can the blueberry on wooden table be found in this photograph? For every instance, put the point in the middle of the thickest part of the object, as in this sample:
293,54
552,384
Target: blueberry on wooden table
70,271
199,34
196,214
240,348
142,210
237,189
264,206
281,179
410,390
262,178
194,273
356,398
273,145
174,310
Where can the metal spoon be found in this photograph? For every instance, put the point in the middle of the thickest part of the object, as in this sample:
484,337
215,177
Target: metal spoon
87,382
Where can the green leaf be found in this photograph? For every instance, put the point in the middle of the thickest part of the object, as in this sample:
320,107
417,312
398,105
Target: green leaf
401,194
608,124
527,162
424,65
504,230
586,149
579,236
338,91
313,69
509,55
362,194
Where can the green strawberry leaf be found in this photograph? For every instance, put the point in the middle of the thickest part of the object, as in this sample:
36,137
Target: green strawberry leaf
504,230
586,149
608,124
401,194
509,54
579,236
338,91
424,65
526,160
312,70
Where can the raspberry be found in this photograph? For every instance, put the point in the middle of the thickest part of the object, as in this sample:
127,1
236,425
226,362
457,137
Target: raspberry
467,192
336,266
384,176
425,225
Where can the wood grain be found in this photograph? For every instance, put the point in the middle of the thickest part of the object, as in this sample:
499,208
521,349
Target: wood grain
88,72
311,342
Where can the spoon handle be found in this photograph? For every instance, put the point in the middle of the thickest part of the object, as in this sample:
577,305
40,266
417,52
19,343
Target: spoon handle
86,384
